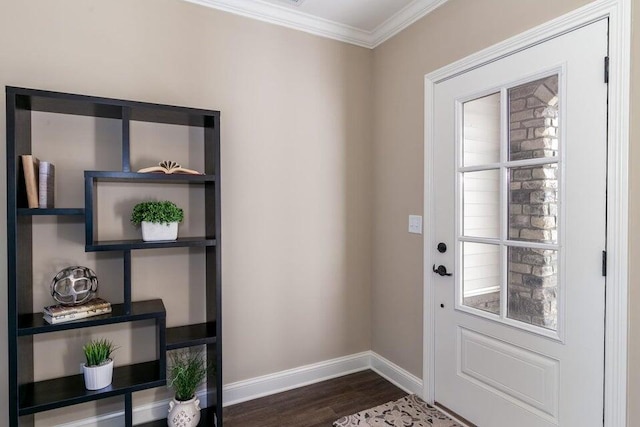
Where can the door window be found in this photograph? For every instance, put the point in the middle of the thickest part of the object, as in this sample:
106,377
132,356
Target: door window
509,193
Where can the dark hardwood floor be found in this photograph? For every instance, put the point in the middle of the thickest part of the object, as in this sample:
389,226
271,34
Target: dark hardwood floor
316,405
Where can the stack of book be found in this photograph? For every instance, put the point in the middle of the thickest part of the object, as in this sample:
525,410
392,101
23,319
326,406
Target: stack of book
39,180
63,313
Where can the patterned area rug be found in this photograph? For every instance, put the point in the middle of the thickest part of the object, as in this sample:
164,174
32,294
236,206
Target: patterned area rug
410,411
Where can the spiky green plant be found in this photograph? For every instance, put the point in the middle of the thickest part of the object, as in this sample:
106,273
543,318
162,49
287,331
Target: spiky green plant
161,212
98,351
188,370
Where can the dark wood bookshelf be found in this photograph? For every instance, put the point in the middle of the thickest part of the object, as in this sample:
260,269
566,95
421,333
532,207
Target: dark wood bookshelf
32,324
191,335
59,392
27,395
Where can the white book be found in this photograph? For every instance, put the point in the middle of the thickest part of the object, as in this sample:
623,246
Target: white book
46,185
76,316
62,310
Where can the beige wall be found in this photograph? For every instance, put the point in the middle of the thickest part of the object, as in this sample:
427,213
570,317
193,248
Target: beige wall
296,168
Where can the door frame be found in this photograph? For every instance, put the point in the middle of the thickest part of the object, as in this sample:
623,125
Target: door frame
619,14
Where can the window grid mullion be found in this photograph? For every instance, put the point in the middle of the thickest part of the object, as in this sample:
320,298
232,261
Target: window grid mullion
504,204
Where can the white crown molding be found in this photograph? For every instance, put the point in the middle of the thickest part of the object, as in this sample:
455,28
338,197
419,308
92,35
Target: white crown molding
286,17
402,19
280,15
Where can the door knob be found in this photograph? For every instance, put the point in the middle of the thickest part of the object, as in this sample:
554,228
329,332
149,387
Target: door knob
442,247
441,270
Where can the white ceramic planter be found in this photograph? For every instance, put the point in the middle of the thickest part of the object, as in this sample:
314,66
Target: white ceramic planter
155,231
184,413
97,377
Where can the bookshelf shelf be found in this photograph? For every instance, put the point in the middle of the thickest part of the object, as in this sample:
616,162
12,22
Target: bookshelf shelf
60,392
191,335
33,324
146,177
120,245
53,211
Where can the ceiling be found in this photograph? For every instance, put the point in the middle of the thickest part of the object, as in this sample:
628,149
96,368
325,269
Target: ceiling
364,23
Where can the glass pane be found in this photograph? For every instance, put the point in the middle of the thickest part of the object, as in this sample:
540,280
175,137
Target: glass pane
481,130
533,119
533,286
533,203
481,192
481,276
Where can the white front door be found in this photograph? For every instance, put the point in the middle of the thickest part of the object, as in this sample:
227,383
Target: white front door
519,189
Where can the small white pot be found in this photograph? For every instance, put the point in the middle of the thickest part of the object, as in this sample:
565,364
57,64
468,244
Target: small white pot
156,231
184,413
97,377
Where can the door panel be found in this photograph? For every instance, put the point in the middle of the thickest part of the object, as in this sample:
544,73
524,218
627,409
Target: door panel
488,362
520,196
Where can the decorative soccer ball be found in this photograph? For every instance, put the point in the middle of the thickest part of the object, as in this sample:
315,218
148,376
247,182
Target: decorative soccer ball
74,285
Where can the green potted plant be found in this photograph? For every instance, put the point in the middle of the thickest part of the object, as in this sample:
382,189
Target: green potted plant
98,370
158,220
187,371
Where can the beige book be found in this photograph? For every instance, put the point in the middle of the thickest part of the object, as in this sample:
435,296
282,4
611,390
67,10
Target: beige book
31,168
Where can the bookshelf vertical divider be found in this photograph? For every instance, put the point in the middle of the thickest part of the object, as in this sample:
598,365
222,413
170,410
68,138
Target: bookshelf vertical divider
126,138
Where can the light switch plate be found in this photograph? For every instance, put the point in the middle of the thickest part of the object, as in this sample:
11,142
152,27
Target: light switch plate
415,224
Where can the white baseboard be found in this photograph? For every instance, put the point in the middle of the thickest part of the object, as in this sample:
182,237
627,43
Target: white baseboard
141,414
114,419
396,375
266,385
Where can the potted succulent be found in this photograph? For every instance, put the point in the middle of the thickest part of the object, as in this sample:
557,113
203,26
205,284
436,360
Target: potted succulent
158,220
98,371
188,370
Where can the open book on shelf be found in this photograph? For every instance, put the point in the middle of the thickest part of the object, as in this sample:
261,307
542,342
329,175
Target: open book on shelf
169,167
